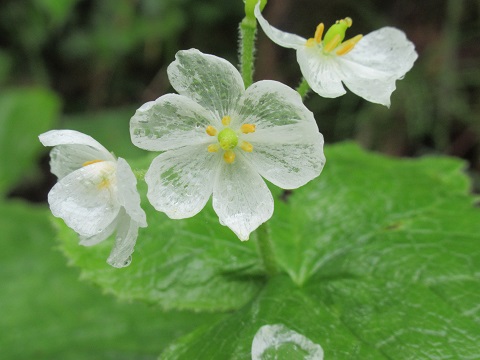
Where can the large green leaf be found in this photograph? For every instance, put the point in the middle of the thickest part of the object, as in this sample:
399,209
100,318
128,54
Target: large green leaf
24,114
382,257
46,313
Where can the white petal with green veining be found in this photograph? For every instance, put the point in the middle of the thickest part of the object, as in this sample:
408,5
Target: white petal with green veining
322,72
212,82
98,238
376,62
128,196
85,199
180,181
125,240
279,37
71,150
170,122
241,198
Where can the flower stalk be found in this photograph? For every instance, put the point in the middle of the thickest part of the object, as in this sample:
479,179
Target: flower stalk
248,32
303,88
265,247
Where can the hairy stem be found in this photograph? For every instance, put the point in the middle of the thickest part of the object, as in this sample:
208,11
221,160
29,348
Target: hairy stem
248,31
265,248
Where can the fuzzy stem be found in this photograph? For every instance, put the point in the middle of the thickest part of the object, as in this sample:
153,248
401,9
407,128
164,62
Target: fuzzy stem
265,248
248,31
303,89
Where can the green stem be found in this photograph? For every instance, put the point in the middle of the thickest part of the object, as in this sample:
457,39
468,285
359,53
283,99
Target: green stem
265,248
139,174
248,31
303,89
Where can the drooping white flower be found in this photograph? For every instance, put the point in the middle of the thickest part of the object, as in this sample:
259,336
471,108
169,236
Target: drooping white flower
220,139
368,65
95,194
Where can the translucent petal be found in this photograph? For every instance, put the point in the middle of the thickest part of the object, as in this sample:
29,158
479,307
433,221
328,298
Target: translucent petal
170,122
71,150
292,163
210,81
86,199
180,181
241,198
279,37
125,240
98,238
128,196
322,72
271,104
376,62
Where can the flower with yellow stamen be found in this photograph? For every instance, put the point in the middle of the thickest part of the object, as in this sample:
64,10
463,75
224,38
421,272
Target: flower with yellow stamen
368,65
95,194
219,139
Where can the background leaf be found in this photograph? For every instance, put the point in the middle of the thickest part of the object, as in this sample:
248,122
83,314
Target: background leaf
382,256
47,313
24,114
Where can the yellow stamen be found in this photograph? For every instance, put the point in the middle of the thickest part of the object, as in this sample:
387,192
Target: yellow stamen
332,44
229,156
348,45
213,148
247,128
211,130
246,146
319,33
310,42
226,120
86,163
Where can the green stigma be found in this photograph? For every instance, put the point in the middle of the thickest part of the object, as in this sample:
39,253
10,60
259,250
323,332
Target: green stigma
339,28
227,139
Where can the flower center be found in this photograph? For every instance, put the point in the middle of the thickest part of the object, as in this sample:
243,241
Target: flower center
228,139
334,37
105,178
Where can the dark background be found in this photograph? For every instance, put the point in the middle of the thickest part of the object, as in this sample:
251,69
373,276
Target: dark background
102,55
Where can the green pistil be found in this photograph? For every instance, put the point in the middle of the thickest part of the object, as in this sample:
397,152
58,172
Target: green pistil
228,139
340,27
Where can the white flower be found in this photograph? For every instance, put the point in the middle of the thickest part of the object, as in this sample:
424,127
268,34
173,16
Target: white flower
96,194
220,139
368,66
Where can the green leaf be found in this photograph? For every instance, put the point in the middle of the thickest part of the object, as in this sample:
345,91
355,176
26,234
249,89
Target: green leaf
382,257
48,314
24,114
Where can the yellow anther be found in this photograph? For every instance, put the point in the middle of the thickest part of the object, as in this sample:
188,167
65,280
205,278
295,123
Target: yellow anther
332,44
211,130
247,128
226,120
105,183
86,163
310,42
229,156
246,146
319,33
348,45
213,148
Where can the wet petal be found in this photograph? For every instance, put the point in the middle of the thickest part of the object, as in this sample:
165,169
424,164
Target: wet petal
170,122
272,337
279,37
210,81
323,73
270,104
241,198
376,62
71,150
86,199
98,238
128,196
180,181
125,240
292,163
